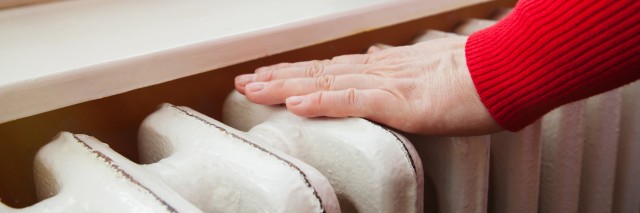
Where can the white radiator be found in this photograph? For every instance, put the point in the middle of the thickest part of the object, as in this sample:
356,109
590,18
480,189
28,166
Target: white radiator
580,157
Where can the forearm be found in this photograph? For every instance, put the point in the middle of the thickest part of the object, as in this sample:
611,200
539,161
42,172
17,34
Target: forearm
549,52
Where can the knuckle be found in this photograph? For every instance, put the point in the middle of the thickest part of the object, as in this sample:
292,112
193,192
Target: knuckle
318,105
264,75
320,99
366,59
351,96
315,69
325,82
281,85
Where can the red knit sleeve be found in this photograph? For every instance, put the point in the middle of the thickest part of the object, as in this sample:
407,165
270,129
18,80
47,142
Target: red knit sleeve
551,52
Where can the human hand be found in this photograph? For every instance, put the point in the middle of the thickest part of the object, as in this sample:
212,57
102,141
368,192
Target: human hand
425,88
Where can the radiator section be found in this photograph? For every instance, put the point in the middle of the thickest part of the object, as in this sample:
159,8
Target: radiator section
626,197
515,170
562,149
457,170
600,152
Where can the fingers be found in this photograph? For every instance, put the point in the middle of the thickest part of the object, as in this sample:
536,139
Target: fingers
276,91
241,81
338,65
311,71
370,103
315,70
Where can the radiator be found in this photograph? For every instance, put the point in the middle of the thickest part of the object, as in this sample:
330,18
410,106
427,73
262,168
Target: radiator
578,158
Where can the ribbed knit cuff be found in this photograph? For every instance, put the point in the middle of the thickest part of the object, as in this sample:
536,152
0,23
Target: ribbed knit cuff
548,53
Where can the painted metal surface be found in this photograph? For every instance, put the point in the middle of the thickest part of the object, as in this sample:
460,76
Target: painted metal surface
515,170
600,152
626,196
456,172
371,168
78,173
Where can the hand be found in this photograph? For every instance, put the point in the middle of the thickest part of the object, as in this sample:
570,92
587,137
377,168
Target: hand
425,88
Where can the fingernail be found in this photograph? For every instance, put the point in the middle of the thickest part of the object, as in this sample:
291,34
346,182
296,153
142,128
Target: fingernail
245,79
255,86
294,100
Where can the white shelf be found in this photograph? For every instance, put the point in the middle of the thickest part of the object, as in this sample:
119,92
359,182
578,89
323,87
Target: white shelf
59,54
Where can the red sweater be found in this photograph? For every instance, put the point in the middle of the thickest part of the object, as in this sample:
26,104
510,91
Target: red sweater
551,52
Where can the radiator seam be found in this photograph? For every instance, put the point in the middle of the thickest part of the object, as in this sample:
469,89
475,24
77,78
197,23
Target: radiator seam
124,173
304,176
